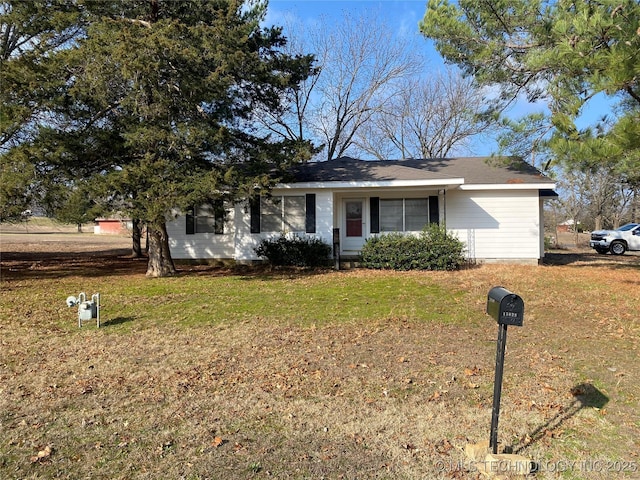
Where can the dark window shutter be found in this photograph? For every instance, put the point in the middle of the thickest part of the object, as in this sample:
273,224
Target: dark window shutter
434,211
191,221
254,211
310,213
374,203
220,214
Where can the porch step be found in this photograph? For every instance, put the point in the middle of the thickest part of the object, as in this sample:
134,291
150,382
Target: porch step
347,263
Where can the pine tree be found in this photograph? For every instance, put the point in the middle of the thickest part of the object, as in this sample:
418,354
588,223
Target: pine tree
563,53
156,106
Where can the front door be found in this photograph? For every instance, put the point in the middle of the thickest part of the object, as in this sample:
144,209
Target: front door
353,226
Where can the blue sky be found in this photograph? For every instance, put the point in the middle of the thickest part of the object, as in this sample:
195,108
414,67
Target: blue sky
403,16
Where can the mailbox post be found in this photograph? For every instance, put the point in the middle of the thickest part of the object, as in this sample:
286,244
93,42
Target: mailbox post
507,309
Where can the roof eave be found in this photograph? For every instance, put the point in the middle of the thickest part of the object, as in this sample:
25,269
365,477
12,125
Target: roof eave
509,186
436,183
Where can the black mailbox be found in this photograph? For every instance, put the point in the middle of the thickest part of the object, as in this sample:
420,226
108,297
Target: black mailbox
505,307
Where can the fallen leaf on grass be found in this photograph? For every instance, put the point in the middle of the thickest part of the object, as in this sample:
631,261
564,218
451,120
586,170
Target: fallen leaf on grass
469,372
553,433
218,441
443,446
43,454
435,396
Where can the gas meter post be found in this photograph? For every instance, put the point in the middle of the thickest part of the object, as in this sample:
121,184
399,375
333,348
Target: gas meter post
507,309
87,309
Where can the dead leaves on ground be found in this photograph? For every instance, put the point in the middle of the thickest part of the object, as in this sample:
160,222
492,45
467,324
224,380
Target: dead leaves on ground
43,455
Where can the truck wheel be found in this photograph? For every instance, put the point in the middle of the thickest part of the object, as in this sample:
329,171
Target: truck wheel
618,248
602,250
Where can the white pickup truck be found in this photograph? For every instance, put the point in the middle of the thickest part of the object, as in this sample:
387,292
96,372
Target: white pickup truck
617,241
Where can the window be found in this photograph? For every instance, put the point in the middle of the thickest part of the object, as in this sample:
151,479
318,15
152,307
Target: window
416,214
403,214
206,218
282,214
391,215
292,213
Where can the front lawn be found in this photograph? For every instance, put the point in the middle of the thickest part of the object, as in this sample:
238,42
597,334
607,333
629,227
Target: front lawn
290,374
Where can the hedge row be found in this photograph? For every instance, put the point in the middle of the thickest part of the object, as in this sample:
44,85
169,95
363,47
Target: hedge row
294,251
433,249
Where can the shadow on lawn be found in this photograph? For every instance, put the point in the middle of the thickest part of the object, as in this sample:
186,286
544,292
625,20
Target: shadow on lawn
585,396
59,264
112,322
591,259
51,265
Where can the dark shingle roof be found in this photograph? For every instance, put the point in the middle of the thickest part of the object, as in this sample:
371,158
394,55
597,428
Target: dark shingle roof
474,170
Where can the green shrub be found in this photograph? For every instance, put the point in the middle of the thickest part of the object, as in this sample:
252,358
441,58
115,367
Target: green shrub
550,242
433,249
295,251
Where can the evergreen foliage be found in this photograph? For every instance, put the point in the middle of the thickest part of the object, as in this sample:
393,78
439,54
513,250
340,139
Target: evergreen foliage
295,251
153,106
563,53
433,249
77,207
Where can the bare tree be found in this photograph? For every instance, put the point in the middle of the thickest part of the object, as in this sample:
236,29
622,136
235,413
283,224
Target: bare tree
428,118
574,199
596,197
372,95
294,122
601,188
362,63
359,63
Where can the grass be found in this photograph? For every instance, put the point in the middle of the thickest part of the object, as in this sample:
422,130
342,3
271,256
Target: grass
291,374
303,300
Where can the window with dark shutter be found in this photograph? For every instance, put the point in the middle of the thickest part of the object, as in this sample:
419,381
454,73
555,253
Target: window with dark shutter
254,212
374,209
191,221
400,214
287,213
206,218
310,213
434,212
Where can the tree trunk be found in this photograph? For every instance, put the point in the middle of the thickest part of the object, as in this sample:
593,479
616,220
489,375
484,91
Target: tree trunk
136,235
160,263
598,222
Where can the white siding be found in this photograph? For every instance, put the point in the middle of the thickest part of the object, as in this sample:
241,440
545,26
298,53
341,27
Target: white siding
324,215
238,242
245,241
496,225
201,245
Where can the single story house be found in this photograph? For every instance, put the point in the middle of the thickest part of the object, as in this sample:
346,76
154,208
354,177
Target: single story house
494,208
